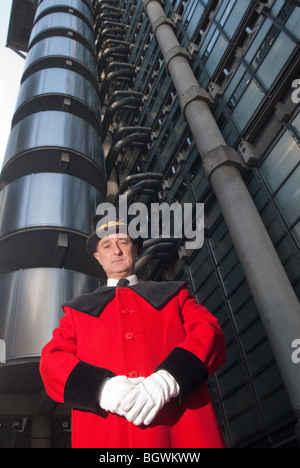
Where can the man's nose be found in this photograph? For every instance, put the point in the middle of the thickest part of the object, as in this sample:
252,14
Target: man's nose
117,249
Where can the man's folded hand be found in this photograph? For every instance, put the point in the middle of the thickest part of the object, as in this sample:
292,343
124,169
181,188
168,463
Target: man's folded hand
145,399
114,390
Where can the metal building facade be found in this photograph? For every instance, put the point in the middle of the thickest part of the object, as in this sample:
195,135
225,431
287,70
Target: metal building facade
177,101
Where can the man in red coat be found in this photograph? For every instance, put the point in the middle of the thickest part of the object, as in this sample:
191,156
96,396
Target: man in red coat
132,361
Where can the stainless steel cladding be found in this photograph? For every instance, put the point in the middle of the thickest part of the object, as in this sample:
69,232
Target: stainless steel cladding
29,311
50,88
45,219
52,180
62,24
78,6
55,141
51,81
59,50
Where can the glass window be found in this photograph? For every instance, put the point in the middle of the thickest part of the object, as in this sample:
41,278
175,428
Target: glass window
178,188
224,11
272,394
258,41
197,177
264,48
242,414
208,43
274,61
247,105
192,18
288,197
246,313
216,54
239,91
237,10
295,126
275,227
281,161
233,83
293,23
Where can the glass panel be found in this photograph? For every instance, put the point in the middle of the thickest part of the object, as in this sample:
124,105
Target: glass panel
193,19
281,161
233,376
245,315
242,415
231,271
216,54
247,106
288,197
220,241
295,124
208,43
200,268
275,59
265,47
240,297
275,230
293,23
272,394
296,231
235,17
259,39
239,91
290,262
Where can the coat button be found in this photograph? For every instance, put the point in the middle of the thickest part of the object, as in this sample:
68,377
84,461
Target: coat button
129,336
133,374
126,311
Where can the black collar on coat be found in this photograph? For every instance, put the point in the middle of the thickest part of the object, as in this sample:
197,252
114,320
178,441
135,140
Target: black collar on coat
156,293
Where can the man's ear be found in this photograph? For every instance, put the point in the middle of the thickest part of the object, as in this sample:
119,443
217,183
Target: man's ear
96,255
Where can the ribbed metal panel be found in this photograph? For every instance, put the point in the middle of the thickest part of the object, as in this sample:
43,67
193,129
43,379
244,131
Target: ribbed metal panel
29,311
53,179
47,199
77,7
61,23
60,48
45,219
48,89
55,141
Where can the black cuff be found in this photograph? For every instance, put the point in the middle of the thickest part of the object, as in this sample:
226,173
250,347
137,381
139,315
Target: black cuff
83,386
188,370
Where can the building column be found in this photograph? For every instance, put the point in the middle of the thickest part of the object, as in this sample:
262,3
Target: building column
270,287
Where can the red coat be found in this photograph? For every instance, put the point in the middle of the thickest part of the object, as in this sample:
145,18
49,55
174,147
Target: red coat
134,331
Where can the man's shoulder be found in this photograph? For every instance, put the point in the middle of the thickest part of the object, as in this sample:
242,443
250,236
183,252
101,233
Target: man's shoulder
158,293
91,303
155,293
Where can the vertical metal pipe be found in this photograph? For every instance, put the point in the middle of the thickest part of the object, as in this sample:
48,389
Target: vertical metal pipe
271,289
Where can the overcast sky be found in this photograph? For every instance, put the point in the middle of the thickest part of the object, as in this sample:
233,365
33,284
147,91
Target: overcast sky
11,70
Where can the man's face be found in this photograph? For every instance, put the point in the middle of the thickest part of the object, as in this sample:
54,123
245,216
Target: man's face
116,254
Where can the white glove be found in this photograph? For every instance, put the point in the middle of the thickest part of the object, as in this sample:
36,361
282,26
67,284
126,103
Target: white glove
114,390
144,401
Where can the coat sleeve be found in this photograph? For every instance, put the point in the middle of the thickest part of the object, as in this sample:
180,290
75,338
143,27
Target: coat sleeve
202,351
66,378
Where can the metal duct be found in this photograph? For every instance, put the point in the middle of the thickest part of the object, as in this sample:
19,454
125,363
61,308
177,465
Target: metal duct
78,7
57,50
49,88
62,24
27,306
52,180
58,142
45,219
